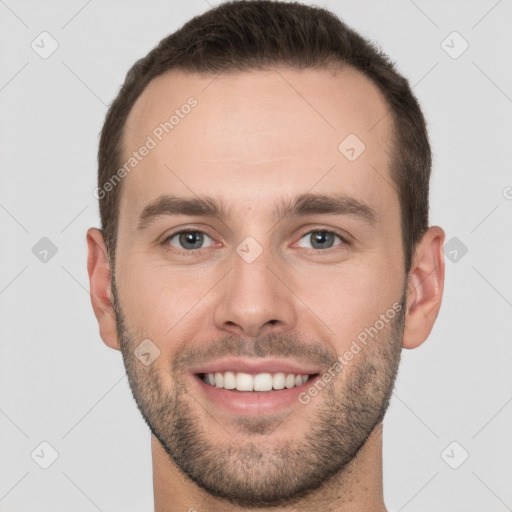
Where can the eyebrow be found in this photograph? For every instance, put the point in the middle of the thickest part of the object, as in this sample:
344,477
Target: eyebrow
173,205
300,206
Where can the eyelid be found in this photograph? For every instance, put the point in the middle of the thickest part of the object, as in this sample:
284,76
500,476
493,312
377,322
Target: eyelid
343,237
184,229
333,231
173,233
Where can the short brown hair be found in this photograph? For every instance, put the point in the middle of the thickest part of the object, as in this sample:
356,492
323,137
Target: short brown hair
258,34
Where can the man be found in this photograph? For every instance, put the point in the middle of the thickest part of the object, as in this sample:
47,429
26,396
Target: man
264,256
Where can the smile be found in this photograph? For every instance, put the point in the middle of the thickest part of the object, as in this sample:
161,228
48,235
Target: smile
241,381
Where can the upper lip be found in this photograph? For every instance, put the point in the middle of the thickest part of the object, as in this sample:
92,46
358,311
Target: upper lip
255,366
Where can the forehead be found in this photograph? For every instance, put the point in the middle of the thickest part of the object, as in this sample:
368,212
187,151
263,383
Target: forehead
259,134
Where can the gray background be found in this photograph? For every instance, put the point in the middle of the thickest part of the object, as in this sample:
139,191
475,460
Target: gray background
59,383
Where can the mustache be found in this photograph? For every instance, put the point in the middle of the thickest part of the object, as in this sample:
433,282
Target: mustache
270,344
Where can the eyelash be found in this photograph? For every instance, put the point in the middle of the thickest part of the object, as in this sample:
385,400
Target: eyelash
189,252
193,252
344,241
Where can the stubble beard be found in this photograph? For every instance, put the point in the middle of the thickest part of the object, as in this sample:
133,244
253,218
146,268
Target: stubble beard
254,466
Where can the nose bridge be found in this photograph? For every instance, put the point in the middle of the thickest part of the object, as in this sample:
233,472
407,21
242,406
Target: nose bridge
253,299
251,275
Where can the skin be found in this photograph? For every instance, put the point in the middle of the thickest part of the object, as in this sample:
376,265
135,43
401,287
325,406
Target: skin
253,139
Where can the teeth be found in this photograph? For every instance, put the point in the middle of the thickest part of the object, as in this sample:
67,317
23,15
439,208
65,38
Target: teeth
278,381
229,380
261,382
244,382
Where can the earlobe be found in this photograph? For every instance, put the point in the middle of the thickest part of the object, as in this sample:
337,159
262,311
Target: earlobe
101,287
425,288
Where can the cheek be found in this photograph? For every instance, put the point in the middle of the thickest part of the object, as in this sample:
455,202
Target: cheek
352,299
159,299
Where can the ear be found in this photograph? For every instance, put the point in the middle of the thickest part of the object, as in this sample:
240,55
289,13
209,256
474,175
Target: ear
101,287
425,288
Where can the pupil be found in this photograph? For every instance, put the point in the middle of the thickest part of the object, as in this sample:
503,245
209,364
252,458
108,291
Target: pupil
193,238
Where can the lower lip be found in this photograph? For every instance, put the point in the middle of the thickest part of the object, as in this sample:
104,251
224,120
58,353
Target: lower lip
253,402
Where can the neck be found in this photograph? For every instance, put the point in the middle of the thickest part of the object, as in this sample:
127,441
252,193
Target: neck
358,488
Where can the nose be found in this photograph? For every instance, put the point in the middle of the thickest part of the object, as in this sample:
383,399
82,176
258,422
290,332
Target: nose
254,300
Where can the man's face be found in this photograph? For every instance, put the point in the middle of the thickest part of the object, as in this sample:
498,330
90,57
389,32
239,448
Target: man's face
256,291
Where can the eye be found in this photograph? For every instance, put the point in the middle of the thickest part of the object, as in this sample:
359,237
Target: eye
322,239
188,240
